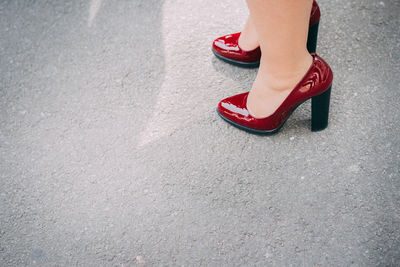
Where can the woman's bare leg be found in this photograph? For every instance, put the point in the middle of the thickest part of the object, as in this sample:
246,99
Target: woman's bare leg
248,39
282,29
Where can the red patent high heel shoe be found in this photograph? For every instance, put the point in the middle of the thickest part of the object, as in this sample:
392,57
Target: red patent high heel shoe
316,84
227,47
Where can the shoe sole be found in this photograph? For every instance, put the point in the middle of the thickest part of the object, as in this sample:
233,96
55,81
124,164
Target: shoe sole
242,64
254,131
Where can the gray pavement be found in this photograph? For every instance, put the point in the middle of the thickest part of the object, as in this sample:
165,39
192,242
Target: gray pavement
111,152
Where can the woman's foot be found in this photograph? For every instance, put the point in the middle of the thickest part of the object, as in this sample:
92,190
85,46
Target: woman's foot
315,84
272,87
248,39
242,48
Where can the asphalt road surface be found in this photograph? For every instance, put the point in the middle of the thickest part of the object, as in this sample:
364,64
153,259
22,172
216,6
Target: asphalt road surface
112,154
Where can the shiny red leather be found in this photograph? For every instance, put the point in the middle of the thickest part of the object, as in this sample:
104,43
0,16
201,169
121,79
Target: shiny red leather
228,45
317,80
315,14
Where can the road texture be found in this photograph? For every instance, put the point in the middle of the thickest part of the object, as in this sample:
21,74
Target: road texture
112,154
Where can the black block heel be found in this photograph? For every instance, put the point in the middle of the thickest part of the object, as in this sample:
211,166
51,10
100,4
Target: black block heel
312,38
320,110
